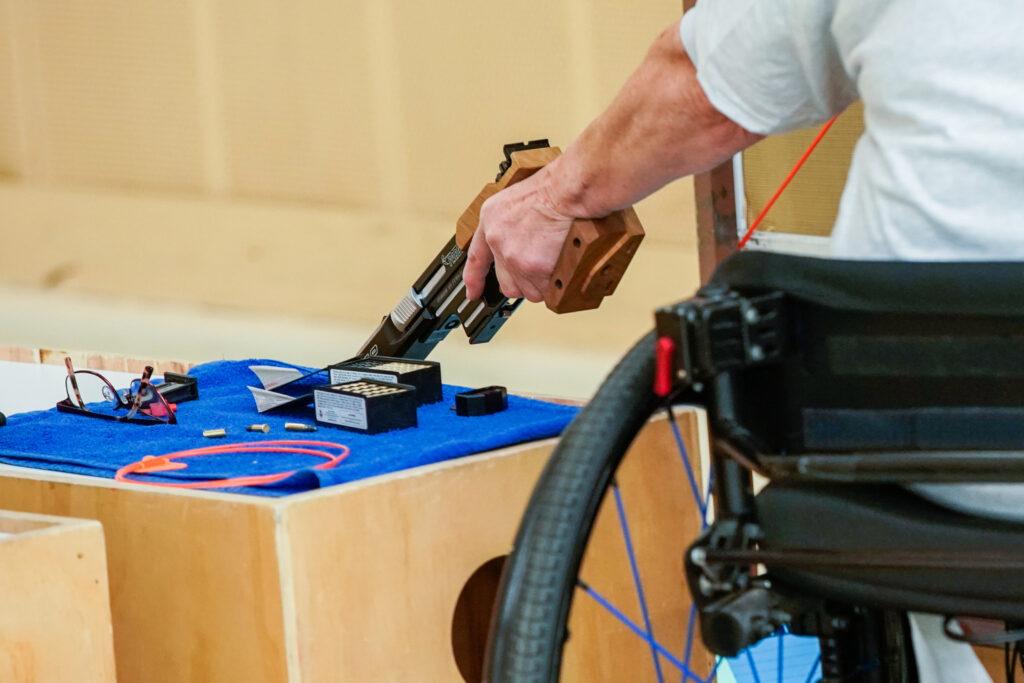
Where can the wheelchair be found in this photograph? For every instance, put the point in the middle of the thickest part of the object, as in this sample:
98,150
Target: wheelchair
850,387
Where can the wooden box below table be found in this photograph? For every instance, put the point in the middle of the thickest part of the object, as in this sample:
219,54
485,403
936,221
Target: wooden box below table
54,604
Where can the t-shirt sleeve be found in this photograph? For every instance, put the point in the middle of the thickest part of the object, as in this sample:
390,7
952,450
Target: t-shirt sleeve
769,65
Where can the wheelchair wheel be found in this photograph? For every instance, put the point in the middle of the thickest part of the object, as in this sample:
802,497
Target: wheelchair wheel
541,581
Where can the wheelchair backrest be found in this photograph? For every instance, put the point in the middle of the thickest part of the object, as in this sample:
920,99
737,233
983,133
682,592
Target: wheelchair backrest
884,356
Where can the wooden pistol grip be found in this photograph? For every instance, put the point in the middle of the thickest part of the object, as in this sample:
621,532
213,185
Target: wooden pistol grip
595,254
524,164
594,258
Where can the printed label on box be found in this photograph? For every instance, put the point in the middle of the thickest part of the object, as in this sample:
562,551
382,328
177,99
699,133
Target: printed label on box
338,409
339,376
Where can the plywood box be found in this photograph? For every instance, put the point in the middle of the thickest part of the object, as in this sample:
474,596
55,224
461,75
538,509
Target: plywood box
54,603
368,581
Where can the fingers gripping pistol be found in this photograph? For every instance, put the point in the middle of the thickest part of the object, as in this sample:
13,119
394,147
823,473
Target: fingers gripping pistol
593,259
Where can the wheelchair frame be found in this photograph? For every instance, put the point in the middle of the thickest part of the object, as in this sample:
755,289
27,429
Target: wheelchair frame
703,343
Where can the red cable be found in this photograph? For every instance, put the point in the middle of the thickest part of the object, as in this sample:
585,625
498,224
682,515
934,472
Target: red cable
785,183
163,463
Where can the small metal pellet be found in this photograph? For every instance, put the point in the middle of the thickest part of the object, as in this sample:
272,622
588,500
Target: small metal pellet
258,428
299,427
215,433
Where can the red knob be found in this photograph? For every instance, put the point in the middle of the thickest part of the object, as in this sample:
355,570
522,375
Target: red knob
664,355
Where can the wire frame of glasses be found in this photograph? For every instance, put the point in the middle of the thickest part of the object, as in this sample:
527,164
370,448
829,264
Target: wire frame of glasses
90,393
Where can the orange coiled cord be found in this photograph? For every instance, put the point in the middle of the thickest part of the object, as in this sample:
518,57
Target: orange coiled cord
164,463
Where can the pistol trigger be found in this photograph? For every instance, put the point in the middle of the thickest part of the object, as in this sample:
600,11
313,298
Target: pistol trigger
492,295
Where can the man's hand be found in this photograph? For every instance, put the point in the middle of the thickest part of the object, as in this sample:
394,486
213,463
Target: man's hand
661,126
521,231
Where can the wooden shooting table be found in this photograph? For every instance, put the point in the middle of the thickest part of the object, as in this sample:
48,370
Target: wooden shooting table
388,578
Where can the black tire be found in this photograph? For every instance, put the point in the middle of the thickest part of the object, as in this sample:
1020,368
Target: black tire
539,580
529,627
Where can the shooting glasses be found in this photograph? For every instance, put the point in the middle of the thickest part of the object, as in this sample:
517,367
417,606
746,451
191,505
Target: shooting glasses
91,394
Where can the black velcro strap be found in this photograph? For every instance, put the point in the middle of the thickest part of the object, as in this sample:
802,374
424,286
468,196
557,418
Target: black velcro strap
971,428
935,356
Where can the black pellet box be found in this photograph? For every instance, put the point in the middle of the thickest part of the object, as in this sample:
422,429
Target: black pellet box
366,405
425,375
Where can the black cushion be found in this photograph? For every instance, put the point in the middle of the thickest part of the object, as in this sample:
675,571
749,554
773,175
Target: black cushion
867,519
970,288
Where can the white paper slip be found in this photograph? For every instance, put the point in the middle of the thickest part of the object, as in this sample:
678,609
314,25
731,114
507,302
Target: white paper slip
272,376
269,400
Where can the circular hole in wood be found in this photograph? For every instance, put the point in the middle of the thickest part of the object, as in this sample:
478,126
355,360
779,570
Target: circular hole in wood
558,284
472,618
576,242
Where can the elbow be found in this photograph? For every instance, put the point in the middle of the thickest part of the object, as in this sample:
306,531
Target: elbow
720,135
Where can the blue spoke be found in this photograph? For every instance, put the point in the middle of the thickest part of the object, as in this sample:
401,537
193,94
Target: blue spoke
624,524
753,666
814,669
714,670
615,612
780,635
681,445
702,506
689,635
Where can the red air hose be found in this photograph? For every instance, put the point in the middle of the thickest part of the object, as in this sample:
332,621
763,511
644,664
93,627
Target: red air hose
665,349
786,181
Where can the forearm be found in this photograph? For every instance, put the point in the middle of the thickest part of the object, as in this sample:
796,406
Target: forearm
660,127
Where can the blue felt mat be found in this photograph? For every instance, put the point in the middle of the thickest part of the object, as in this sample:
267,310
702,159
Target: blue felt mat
82,445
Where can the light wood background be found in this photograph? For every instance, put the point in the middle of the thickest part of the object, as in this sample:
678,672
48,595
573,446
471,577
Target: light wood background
296,159
810,204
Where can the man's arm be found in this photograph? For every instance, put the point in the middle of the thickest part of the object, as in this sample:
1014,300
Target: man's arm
661,126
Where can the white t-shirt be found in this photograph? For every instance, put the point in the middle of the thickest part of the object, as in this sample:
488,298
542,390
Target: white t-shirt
939,171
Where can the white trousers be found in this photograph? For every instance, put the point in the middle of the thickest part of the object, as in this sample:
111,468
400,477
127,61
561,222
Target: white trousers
995,501
941,660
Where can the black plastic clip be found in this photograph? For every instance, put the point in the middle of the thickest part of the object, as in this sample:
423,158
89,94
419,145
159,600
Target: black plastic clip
721,331
483,401
179,388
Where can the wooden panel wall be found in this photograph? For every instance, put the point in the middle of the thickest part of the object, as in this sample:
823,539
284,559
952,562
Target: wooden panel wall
104,93
300,157
810,204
